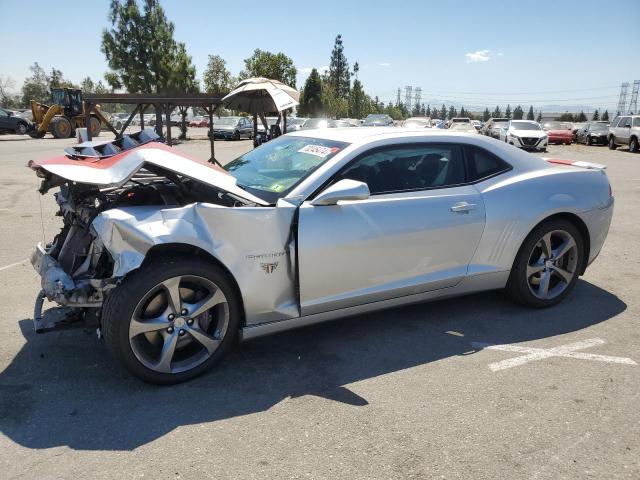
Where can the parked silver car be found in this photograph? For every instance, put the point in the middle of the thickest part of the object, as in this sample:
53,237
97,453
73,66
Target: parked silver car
625,130
174,259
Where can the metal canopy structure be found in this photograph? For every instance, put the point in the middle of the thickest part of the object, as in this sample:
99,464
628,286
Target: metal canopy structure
163,104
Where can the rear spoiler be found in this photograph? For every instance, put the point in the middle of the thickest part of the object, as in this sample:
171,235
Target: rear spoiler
588,165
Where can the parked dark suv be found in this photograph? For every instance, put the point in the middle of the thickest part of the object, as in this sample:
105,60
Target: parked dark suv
9,123
625,130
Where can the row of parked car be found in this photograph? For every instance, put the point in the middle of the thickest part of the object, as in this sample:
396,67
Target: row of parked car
527,134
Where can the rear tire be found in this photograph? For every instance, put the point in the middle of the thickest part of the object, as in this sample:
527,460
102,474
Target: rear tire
589,141
612,143
143,298
552,255
60,127
21,128
633,145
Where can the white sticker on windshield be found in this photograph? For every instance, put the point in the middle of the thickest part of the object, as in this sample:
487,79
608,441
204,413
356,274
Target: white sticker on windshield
318,150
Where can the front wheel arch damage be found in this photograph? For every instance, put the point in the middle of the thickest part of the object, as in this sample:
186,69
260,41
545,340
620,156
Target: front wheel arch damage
185,251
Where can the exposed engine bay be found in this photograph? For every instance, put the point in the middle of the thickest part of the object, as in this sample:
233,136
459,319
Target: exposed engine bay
76,269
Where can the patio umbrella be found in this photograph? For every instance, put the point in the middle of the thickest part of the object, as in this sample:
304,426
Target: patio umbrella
261,95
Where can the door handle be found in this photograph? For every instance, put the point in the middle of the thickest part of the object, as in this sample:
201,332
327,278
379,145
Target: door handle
463,207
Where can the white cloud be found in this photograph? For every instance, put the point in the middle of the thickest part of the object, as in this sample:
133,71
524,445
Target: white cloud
479,56
384,64
499,54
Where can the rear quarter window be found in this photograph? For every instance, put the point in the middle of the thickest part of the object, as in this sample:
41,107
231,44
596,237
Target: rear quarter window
636,122
482,164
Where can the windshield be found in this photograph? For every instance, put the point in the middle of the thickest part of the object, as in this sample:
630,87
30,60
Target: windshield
272,170
599,127
525,126
371,119
226,121
295,121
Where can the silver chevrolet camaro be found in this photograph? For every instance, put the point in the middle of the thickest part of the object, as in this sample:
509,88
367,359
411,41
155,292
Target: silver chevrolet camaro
173,259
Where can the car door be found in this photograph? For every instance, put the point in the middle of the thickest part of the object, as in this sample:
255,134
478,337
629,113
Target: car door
416,232
623,130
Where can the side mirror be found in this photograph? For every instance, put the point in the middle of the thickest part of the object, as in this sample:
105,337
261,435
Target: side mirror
343,190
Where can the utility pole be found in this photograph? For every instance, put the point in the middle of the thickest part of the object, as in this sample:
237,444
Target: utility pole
408,97
633,104
418,96
622,101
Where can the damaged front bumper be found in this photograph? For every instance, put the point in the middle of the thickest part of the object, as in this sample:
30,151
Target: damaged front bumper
75,297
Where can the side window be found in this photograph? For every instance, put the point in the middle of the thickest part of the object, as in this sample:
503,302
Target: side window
241,122
3,113
636,122
625,122
411,167
482,164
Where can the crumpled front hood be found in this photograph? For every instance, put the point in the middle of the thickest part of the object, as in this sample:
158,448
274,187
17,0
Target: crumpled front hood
115,171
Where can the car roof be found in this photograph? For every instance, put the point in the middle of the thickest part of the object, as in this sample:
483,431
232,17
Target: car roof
364,135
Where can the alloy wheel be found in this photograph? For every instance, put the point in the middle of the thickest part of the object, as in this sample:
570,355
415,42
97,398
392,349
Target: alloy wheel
179,324
552,264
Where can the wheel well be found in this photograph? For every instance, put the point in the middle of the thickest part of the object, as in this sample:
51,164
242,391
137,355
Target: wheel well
181,250
582,228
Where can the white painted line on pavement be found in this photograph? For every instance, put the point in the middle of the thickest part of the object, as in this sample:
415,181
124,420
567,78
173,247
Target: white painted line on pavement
534,354
6,267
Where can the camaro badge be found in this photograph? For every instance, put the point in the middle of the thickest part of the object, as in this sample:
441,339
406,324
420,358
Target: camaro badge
269,267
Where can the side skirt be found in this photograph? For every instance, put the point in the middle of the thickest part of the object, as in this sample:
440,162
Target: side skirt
476,283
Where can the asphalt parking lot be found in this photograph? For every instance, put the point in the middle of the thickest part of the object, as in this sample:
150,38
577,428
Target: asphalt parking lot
428,391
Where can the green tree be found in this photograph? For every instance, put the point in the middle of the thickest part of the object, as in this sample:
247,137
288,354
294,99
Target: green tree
497,113
141,51
605,116
333,106
87,85
216,77
36,87
428,112
275,66
486,115
518,113
443,112
582,117
530,115
356,95
507,112
463,112
311,96
339,75
596,116
568,117
539,119
452,112
56,80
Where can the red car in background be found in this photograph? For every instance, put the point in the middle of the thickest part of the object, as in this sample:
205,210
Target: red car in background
199,122
559,132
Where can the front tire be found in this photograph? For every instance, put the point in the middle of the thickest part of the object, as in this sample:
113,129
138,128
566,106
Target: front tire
612,143
548,264
171,320
589,141
633,145
21,128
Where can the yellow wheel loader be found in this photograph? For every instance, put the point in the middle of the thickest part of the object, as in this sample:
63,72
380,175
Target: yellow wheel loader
64,115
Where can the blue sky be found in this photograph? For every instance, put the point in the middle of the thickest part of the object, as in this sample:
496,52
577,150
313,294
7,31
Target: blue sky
561,52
